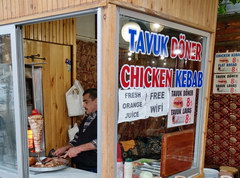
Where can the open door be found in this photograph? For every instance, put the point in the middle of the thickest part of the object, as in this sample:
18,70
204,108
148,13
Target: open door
54,60
13,145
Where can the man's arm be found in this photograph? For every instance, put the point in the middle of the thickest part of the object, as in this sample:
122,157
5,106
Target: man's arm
74,151
61,150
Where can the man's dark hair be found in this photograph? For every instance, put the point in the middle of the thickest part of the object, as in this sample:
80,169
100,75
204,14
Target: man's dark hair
92,93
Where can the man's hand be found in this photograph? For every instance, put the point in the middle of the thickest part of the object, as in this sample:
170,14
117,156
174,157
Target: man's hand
62,150
73,152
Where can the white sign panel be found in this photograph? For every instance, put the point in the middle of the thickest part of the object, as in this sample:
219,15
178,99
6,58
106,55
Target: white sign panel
135,104
132,105
227,62
182,105
226,83
157,102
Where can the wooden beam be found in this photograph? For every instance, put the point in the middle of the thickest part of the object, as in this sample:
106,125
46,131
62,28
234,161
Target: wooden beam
51,12
108,91
209,60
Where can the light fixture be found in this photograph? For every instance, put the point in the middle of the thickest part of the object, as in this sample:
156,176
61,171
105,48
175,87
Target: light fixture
125,28
129,54
156,27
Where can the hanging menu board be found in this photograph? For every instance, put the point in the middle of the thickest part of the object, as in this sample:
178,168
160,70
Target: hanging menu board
182,105
226,73
227,62
226,83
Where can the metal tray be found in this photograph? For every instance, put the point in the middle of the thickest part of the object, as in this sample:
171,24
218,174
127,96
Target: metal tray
48,169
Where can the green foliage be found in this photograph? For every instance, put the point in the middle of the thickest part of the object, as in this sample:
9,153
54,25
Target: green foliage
222,5
234,1
221,9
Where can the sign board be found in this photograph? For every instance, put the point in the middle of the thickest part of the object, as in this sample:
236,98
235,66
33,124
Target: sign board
226,83
182,105
227,62
157,102
132,105
135,104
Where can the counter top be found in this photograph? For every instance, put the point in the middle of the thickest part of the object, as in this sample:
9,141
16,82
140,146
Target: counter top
64,173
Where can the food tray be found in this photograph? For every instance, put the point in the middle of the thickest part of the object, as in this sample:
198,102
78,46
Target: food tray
48,169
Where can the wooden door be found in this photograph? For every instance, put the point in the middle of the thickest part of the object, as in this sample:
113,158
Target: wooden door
56,81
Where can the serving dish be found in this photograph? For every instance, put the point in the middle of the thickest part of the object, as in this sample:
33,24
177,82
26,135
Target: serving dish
64,164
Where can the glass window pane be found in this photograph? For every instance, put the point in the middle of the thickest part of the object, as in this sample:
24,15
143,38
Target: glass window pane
8,156
161,77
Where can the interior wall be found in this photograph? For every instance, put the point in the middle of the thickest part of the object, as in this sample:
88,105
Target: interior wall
58,31
87,64
86,27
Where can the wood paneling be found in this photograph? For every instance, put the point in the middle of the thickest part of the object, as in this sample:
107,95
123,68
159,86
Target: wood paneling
195,13
59,31
56,81
228,33
20,10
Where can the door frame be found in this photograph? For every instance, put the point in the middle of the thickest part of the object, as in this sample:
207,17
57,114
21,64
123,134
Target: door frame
19,101
20,89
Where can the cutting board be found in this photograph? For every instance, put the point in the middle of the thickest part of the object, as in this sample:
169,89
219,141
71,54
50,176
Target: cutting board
177,152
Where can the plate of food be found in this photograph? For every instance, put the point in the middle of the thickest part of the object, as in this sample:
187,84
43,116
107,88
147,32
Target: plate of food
47,164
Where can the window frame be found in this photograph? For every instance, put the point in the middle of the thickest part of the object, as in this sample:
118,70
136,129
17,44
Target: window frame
20,89
199,136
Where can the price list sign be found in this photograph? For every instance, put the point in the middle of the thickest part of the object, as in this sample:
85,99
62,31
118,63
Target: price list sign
227,62
182,105
226,83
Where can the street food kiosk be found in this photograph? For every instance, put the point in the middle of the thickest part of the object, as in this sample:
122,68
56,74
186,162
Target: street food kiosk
151,62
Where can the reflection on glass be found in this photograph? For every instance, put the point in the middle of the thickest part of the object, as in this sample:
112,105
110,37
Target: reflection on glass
7,122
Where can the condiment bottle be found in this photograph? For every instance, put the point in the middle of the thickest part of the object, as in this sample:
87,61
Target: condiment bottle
119,168
128,168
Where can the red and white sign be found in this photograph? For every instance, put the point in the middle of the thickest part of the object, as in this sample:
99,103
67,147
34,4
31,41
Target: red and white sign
226,83
182,105
227,62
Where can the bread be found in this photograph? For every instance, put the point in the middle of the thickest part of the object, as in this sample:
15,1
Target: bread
32,161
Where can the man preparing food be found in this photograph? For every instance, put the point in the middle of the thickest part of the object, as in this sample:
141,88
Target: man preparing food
83,148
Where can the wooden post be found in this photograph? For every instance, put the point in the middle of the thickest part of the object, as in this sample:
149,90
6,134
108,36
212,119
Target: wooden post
108,91
208,90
